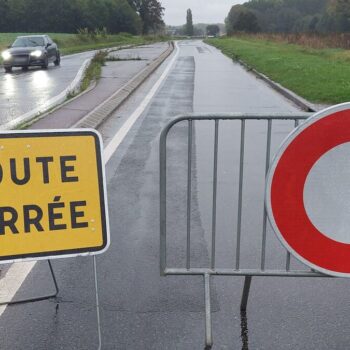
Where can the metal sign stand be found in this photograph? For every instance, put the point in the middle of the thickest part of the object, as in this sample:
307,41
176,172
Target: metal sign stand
97,305
213,270
54,295
38,298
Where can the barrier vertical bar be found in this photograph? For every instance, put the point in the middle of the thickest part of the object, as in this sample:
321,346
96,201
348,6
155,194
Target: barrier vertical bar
296,123
208,329
240,195
215,183
162,198
267,164
189,193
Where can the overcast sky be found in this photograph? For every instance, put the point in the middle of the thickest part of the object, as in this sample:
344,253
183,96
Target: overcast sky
203,11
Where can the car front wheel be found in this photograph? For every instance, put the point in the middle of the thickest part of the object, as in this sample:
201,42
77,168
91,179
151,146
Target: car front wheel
58,59
46,63
8,69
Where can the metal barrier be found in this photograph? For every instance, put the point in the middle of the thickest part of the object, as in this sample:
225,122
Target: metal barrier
194,121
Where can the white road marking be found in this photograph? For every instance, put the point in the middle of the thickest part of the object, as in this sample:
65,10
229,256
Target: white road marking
122,132
11,283
18,272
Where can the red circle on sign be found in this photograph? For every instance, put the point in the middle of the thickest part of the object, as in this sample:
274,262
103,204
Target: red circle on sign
285,191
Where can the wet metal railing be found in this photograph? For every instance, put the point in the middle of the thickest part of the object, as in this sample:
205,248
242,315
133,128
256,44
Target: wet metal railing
213,269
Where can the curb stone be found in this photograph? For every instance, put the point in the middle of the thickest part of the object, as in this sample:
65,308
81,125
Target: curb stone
106,108
299,101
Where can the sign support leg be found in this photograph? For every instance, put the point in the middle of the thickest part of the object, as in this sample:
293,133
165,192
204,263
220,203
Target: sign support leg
208,326
34,299
245,295
97,305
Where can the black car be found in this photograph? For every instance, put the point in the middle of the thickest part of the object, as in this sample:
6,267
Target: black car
33,50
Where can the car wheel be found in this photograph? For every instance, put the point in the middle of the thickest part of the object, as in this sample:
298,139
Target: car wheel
46,63
58,59
25,68
8,69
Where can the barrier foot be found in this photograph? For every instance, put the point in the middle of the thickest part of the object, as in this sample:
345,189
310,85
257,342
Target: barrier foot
40,298
245,294
208,330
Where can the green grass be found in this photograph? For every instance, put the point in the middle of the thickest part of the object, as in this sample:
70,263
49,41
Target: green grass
93,72
320,76
73,43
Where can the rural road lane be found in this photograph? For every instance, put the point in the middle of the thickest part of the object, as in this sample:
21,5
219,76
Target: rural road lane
140,309
114,76
23,91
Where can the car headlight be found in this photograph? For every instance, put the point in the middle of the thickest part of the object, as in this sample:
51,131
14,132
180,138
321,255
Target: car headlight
6,55
36,53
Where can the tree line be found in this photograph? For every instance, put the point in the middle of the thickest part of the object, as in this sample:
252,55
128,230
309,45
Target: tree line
198,29
68,16
290,16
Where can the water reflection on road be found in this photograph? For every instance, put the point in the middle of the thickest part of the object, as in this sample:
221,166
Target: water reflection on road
22,91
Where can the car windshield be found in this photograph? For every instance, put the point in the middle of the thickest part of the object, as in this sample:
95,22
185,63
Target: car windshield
28,42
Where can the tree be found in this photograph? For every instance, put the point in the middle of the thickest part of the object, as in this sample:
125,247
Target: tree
307,24
135,4
232,17
340,11
4,17
286,16
240,19
16,16
151,13
340,7
286,19
123,18
189,23
246,22
213,30
70,15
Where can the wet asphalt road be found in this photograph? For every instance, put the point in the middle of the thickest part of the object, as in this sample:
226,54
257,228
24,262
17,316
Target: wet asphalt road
141,310
22,91
114,75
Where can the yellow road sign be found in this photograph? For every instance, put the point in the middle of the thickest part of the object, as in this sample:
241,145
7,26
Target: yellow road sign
52,194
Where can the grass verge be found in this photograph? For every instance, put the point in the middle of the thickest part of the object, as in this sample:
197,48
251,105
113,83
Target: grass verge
93,71
318,75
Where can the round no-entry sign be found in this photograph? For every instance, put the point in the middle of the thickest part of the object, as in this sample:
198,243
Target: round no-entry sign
308,192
